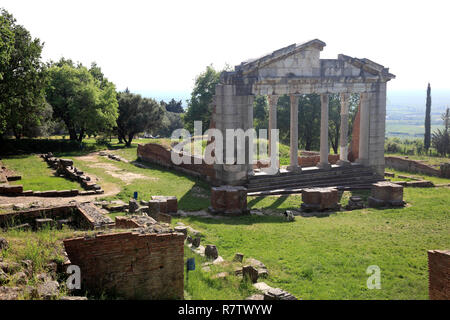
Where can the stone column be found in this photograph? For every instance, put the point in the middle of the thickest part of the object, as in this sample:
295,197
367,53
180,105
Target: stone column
324,148
273,101
363,157
343,139
294,135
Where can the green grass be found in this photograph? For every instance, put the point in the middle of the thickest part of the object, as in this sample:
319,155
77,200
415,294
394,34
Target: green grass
156,181
36,175
327,258
201,285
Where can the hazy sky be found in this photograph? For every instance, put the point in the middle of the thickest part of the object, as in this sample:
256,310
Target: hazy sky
163,45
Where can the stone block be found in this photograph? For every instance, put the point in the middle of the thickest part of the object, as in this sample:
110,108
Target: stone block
211,251
439,274
386,193
153,206
11,189
229,200
182,229
375,203
420,184
250,272
44,223
320,199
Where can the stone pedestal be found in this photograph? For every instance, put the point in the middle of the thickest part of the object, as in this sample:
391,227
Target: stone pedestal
167,204
229,200
317,199
385,193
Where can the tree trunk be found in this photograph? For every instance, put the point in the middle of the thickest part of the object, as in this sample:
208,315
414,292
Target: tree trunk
130,138
81,136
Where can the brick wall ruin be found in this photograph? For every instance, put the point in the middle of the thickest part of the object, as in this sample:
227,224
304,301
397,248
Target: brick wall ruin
408,165
439,274
155,153
82,215
131,265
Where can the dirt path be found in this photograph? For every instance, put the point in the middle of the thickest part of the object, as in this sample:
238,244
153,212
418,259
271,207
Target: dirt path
110,189
92,161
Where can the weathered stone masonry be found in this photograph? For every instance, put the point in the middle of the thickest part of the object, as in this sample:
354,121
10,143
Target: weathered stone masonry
295,70
131,265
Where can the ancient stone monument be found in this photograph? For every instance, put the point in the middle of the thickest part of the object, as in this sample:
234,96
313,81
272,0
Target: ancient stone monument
296,70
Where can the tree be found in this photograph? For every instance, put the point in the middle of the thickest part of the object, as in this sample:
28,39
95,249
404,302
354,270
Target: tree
334,121
136,114
427,137
6,40
309,121
86,104
23,77
201,97
446,118
170,122
260,113
173,106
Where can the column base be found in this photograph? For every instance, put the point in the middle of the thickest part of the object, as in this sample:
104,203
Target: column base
343,163
364,162
294,168
323,165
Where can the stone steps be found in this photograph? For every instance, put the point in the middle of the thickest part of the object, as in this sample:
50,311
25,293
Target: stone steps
355,176
310,180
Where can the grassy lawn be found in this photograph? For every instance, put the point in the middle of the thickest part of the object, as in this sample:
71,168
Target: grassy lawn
312,258
36,175
327,258
192,193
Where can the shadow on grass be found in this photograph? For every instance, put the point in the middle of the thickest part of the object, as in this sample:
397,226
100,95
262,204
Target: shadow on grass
239,220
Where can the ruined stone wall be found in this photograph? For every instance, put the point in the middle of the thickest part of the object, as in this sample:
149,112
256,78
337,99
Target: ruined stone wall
312,161
439,274
131,265
155,153
402,164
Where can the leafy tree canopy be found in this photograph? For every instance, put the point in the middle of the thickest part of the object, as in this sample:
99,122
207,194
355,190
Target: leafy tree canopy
201,98
173,106
23,77
84,99
137,114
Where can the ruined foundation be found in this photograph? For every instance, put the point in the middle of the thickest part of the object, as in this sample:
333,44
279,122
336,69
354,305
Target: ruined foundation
320,199
230,200
131,265
385,193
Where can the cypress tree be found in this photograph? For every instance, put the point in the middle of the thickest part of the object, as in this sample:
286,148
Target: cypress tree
427,137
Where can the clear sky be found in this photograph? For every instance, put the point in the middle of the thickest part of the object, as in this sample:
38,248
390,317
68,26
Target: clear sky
163,45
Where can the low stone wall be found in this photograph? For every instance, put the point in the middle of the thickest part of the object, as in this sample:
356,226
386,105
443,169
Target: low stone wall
439,274
78,215
131,265
408,165
311,161
155,153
